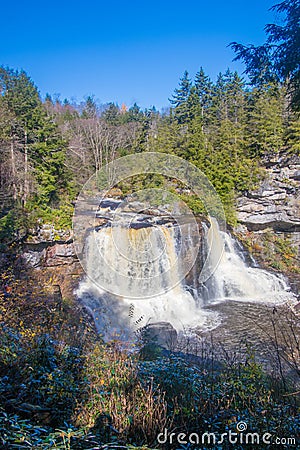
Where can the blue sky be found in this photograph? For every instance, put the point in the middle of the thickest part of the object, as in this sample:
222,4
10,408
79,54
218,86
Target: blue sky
126,51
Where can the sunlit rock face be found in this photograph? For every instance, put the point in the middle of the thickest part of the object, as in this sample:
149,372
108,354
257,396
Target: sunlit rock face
45,246
276,203
49,254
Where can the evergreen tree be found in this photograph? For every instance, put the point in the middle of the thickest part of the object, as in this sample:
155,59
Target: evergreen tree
219,102
44,174
292,134
9,183
265,121
235,93
134,114
193,106
278,59
180,98
111,114
169,137
89,108
204,91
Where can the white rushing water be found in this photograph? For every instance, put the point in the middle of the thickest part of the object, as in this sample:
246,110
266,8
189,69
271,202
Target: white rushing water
141,271
233,278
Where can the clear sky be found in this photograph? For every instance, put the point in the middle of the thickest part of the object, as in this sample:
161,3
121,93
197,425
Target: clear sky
126,51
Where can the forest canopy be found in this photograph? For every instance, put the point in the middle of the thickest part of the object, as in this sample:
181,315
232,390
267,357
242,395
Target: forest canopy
49,148
227,128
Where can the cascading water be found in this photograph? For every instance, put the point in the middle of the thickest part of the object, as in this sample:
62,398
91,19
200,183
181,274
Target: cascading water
138,262
141,269
233,278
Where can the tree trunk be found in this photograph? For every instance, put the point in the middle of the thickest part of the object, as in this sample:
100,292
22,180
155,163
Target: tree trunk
13,168
26,181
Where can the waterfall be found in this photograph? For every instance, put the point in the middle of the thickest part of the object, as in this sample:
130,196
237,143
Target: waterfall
135,278
135,263
142,273
233,278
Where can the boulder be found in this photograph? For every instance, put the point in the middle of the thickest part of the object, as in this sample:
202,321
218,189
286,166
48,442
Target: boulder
162,334
34,258
60,254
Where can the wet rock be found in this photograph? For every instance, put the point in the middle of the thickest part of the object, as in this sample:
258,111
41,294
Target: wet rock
98,224
139,225
160,333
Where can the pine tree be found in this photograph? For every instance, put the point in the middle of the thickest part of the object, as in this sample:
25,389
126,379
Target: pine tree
9,186
89,108
265,121
134,114
112,114
180,98
204,91
277,59
44,173
292,134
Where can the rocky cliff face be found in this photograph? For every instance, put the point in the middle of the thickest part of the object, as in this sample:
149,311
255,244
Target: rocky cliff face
48,247
276,203
269,218
52,254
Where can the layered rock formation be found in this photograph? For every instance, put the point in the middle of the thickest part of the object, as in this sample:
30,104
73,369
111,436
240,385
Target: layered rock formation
48,247
276,203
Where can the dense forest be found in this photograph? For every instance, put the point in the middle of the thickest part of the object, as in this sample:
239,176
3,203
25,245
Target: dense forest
60,385
50,148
